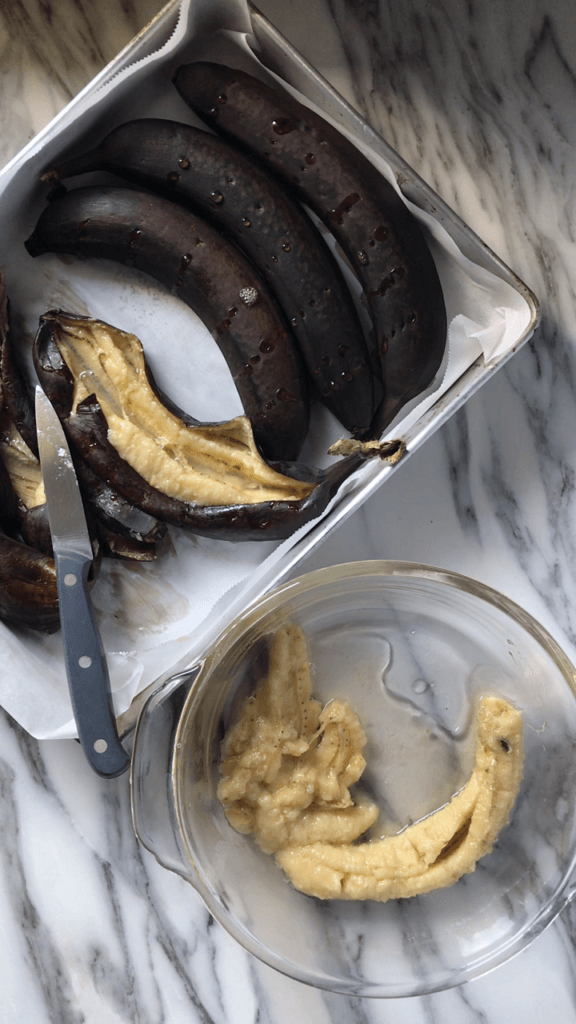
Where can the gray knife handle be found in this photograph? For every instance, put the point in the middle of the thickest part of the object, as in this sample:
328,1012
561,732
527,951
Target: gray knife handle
87,670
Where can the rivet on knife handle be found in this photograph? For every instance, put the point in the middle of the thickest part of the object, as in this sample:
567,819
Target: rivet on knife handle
87,670
86,667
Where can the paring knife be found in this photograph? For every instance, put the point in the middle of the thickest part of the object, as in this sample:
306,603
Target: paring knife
86,667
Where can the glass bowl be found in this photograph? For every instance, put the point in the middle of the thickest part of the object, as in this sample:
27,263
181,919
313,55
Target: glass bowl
412,648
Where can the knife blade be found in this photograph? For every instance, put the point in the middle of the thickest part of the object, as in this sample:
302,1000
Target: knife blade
86,667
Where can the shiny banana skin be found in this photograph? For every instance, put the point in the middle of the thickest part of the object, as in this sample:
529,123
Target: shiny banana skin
15,394
209,274
28,590
203,171
383,242
122,527
87,431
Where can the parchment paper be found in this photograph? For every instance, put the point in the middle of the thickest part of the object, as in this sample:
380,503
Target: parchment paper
158,616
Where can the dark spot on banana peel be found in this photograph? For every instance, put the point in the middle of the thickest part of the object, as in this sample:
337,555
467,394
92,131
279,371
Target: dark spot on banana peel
338,213
227,185
216,277
87,429
357,204
283,125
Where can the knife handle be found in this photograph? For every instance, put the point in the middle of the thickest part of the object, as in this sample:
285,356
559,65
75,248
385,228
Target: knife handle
87,670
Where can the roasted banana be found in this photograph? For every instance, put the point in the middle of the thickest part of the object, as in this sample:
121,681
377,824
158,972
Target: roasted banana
124,531
202,170
28,591
383,242
209,478
210,274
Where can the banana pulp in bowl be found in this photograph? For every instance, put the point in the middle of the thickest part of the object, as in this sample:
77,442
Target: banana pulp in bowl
413,649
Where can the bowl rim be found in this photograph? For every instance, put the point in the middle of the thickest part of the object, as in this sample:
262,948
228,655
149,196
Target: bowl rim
261,607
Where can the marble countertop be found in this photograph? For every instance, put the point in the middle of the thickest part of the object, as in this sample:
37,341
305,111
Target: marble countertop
479,98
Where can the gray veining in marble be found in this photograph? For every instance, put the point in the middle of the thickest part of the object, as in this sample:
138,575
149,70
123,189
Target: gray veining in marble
480,99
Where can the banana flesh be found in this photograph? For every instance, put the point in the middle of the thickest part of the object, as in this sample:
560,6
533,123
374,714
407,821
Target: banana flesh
437,851
205,464
22,465
288,763
286,774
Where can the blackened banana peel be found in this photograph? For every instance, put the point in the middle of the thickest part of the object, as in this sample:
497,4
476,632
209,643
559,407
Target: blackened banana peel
384,243
203,171
15,394
211,276
225,459
124,531
28,590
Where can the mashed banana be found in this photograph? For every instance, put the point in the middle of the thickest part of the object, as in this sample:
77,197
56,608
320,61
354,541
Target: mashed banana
287,768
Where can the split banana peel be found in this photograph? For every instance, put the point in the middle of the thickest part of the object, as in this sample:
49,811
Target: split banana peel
209,478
